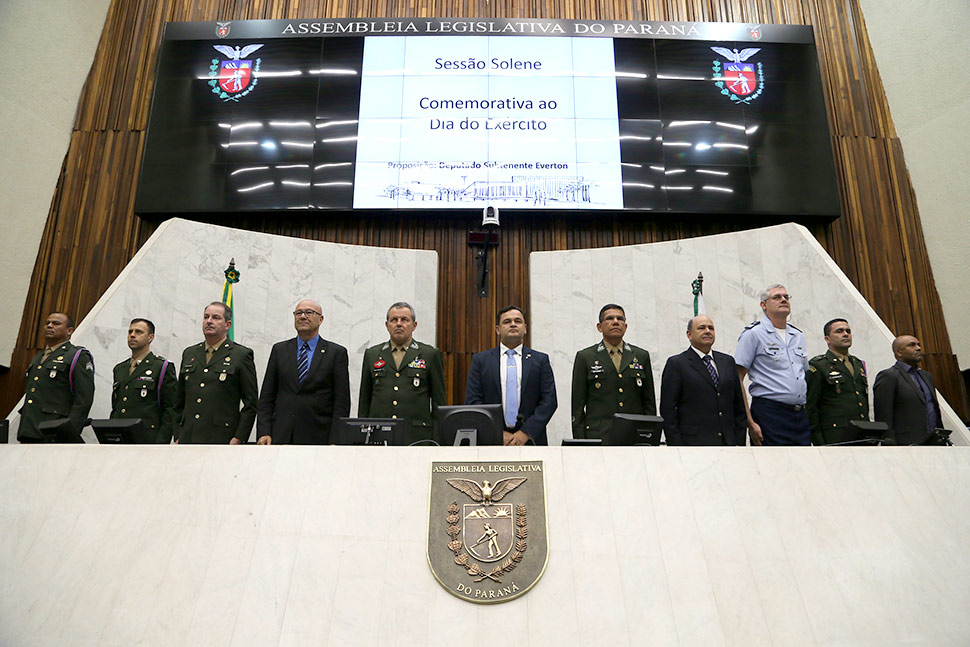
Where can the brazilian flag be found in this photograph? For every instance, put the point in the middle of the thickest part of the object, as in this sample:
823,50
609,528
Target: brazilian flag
232,276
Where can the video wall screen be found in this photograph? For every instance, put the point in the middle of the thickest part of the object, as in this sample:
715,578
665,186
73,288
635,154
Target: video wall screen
432,121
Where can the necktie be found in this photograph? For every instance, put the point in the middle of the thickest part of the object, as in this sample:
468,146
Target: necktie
615,356
131,367
511,390
848,366
209,352
302,365
47,353
709,363
398,355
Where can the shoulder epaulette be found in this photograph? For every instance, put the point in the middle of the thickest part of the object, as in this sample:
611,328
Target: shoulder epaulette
796,328
818,358
753,324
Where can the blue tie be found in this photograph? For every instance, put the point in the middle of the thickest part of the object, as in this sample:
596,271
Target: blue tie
511,391
302,365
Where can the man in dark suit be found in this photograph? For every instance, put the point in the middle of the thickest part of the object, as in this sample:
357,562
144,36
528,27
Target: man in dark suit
700,393
144,386
610,377
402,378
214,378
517,377
904,395
306,389
60,381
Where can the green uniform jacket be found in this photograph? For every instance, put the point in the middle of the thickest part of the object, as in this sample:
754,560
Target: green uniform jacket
49,393
599,392
146,394
413,392
835,397
209,395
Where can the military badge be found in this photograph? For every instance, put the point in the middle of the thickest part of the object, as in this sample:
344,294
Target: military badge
740,81
235,76
754,31
487,535
222,377
144,392
222,29
380,364
417,382
418,363
53,373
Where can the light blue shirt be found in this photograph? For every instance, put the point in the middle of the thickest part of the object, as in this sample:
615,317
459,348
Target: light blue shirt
776,370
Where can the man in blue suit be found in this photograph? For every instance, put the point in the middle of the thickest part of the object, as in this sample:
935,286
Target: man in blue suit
517,377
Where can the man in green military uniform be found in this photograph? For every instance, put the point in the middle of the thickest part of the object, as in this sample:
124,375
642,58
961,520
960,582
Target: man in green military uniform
145,385
610,377
402,378
60,381
214,378
837,387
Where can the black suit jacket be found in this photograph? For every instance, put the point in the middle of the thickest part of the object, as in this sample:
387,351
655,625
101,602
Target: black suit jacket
304,414
898,402
537,399
694,411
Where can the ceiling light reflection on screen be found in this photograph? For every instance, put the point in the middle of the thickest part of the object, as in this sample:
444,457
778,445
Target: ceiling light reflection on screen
334,70
664,77
336,140
289,124
331,164
722,189
632,165
294,183
629,75
281,73
751,130
659,169
701,146
249,168
333,184
646,139
722,145
694,122
327,124
639,185
248,124
678,188
297,144
687,144
256,187
268,144
293,166
723,124
675,171
709,172
239,144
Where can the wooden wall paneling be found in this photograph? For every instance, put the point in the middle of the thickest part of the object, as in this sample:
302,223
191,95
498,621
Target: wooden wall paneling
91,233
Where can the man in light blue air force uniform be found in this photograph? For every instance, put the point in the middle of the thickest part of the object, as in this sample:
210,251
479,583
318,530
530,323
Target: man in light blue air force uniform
772,353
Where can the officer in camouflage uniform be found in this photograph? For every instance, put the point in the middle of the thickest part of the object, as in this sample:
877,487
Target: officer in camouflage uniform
837,388
215,376
60,381
610,377
402,378
145,385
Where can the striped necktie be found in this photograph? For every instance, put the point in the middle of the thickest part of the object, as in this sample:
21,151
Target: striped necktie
709,363
302,364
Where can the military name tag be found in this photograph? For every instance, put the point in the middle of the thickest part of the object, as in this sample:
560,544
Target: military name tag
487,532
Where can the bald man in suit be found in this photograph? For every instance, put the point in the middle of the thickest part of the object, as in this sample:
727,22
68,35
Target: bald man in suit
306,389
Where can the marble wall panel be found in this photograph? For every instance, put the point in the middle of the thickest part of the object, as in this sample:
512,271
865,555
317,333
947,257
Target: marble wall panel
653,283
180,270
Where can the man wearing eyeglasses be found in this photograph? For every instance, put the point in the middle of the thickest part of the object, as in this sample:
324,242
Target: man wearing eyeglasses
306,389
771,352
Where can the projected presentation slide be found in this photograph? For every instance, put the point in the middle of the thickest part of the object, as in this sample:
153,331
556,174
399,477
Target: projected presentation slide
456,122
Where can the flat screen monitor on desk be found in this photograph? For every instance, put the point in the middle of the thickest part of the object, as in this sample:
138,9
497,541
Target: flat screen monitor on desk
122,431
478,424
370,431
629,429
59,431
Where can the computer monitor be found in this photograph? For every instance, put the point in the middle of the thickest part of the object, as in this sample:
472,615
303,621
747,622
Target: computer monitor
122,431
370,431
479,424
630,429
861,432
59,431
582,442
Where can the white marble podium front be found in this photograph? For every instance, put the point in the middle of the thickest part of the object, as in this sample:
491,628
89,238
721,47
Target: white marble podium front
327,546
